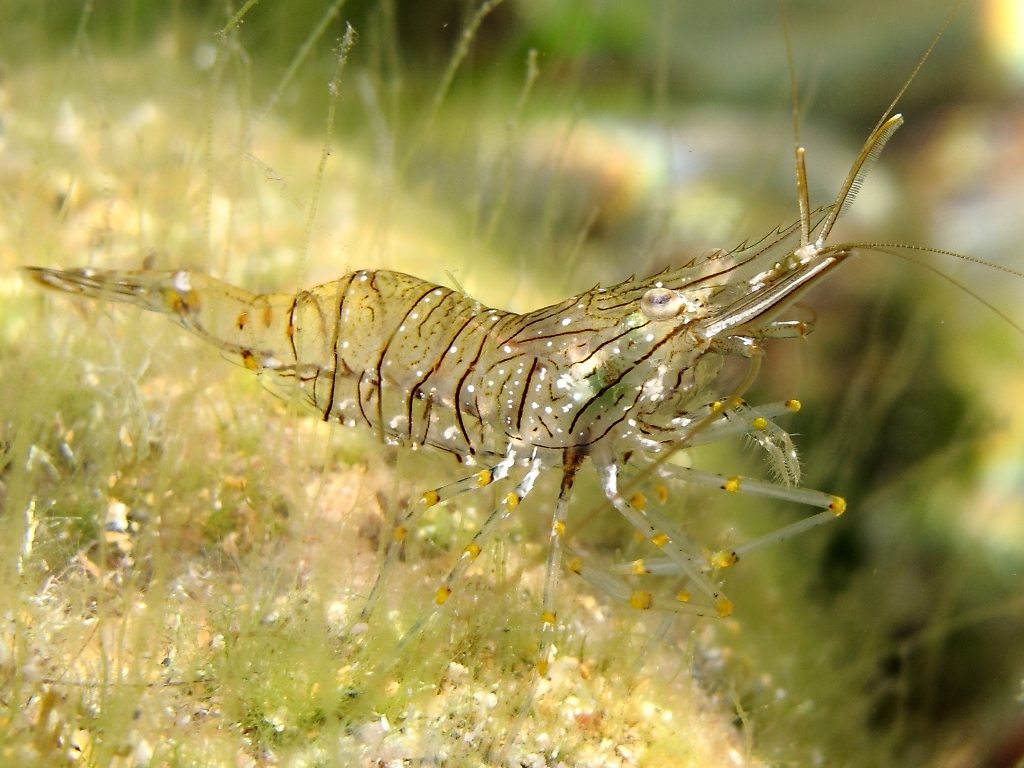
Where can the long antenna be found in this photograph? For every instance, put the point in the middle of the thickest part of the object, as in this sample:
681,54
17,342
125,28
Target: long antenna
802,193
920,63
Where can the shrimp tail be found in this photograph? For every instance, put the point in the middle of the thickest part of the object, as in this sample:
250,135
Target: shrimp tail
257,328
167,292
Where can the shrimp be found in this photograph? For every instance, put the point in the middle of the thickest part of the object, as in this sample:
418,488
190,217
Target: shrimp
623,375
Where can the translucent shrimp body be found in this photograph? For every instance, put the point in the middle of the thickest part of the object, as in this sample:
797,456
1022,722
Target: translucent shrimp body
622,375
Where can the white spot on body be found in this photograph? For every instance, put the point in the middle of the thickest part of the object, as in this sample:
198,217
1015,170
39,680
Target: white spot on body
181,281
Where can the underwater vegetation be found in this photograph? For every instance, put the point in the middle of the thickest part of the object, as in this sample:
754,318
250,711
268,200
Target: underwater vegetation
190,559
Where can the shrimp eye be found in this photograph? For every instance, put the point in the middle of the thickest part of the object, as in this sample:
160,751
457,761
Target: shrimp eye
661,303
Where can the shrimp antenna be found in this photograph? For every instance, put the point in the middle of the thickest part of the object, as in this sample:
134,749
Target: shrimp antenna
920,63
886,126
803,196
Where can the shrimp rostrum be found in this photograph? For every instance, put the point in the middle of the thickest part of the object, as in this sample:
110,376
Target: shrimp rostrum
623,375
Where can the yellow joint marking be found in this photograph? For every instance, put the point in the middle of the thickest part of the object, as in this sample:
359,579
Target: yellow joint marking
683,596
483,477
558,528
638,500
243,318
548,617
430,498
724,607
574,564
472,549
268,316
659,540
732,485
442,595
661,491
641,600
716,406
723,558
249,360
291,330
512,500
638,567
174,300
838,505
760,423
542,667
401,532
793,405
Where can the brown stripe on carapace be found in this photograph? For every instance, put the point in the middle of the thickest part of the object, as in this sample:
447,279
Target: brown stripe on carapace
537,317
615,381
438,360
291,328
524,394
471,368
337,357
